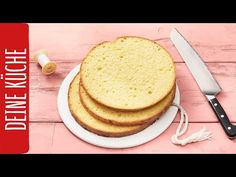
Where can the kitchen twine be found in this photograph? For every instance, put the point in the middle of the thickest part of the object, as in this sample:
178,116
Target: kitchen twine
201,135
48,66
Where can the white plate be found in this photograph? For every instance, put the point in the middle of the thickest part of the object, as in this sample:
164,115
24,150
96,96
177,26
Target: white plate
142,137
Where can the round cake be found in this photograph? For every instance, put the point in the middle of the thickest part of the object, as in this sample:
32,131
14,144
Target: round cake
129,73
119,117
92,124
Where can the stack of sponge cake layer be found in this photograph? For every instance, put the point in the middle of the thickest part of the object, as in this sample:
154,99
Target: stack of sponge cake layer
122,87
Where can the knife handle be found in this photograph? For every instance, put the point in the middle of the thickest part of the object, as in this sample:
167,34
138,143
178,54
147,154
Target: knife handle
229,128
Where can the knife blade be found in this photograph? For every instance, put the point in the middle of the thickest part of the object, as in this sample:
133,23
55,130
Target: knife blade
206,82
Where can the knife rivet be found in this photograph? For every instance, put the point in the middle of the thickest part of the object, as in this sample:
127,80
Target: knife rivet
215,104
229,128
222,116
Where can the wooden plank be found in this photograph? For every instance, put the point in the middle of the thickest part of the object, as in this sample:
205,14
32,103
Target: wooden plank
39,80
56,138
44,89
41,137
43,106
214,42
223,72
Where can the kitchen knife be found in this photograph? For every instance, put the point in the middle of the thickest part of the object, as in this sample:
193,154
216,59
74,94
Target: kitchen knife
206,82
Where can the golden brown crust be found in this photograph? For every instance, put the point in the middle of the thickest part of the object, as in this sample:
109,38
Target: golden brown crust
108,134
133,122
99,132
111,134
120,108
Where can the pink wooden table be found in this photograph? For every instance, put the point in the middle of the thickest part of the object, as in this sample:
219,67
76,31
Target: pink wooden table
67,44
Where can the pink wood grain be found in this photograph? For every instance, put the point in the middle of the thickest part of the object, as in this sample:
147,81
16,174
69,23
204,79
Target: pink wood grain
44,92
41,137
67,44
56,138
215,42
